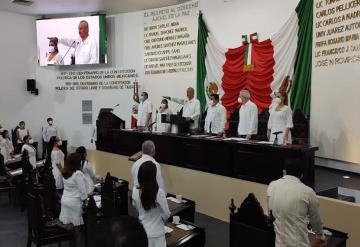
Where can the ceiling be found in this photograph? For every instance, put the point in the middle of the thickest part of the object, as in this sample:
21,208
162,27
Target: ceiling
59,7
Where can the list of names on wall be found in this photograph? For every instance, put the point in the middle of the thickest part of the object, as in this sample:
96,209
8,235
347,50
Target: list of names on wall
336,32
106,79
170,39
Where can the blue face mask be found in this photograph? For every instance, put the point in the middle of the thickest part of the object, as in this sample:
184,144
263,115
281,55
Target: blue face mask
142,98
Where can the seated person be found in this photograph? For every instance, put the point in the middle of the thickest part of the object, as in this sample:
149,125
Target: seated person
150,201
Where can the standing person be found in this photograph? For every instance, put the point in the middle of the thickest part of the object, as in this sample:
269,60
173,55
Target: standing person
57,161
28,146
7,148
191,109
144,112
151,204
215,117
54,57
86,48
148,153
248,116
20,133
293,205
86,168
281,120
163,110
48,131
75,192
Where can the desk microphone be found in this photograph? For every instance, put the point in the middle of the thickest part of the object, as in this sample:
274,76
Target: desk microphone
114,106
68,51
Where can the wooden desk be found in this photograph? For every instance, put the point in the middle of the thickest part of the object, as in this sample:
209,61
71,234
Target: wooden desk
14,163
185,210
182,238
247,160
338,239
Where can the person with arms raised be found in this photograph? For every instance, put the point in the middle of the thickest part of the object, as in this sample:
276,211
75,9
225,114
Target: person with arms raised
191,109
86,48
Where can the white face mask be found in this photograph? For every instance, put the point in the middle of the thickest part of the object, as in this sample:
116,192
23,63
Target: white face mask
51,49
31,141
59,143
162,106
212,103
50,122
277,100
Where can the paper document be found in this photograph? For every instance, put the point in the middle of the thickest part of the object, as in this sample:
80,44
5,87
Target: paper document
185,227
168,229
265,142
238,139
173,199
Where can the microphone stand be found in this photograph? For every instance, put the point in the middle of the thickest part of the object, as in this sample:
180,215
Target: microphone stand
67,52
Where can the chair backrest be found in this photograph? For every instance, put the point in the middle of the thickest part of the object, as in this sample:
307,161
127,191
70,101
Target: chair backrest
34,214
249,226
300,132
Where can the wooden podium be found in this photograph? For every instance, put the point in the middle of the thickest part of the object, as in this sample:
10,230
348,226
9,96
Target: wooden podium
106,121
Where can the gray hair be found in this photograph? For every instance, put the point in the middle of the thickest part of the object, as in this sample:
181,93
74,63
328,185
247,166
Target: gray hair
245,93
148,147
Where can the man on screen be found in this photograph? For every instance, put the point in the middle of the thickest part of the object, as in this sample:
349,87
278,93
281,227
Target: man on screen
86,49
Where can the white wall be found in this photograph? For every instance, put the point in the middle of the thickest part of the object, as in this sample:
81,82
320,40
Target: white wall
230,19
18,63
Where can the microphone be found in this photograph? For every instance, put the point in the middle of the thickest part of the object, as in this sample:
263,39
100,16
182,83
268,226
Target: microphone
68,51
114,106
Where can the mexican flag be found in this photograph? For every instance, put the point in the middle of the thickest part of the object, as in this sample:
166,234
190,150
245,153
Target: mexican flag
258,66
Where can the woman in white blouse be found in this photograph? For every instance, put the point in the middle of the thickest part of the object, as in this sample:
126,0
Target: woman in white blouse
163,109
28,146
86,168
7,148
57,161
53,55
151,204
281,120
75,192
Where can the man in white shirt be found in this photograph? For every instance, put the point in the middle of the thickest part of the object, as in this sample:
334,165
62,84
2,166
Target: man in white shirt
86,48
293,205
191,109
49,131
148,152
215,117
248,116
145,109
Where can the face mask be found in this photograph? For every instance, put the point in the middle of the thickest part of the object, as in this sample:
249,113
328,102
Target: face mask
142,98
162,105
50,122
31,141
277,100
22,127
212,103
59,143
239,100
51,49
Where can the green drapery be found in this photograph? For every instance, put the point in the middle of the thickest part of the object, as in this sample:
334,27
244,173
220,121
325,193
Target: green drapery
201,68
102,39
301,88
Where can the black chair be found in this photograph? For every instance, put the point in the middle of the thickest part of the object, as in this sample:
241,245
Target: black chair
300,132
249,226
39,231
263,119
5,180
